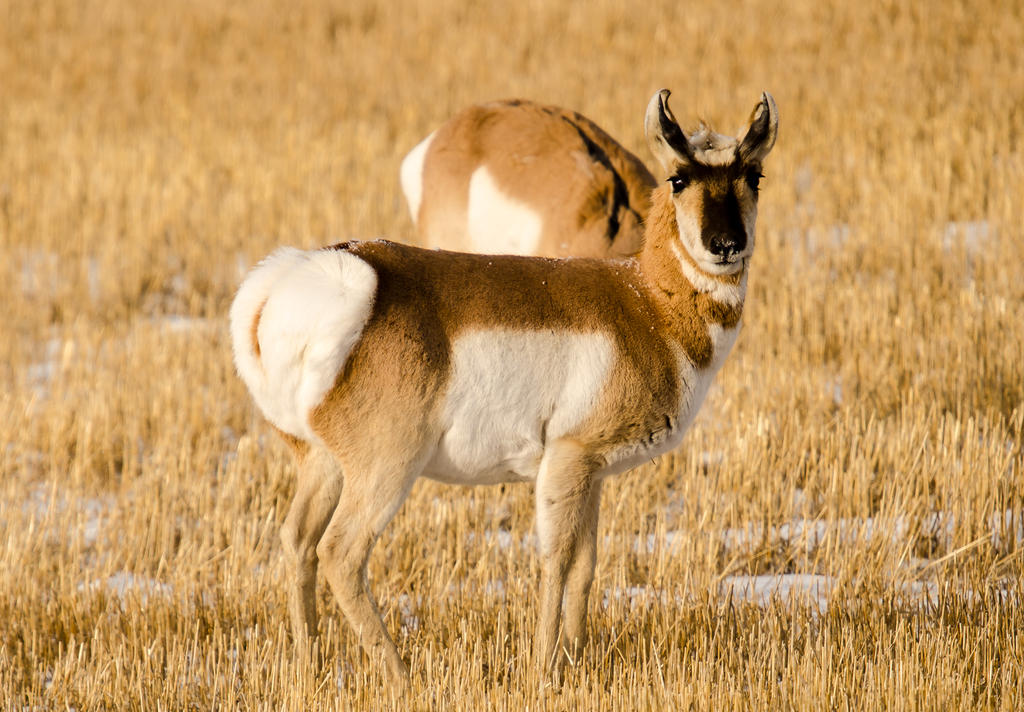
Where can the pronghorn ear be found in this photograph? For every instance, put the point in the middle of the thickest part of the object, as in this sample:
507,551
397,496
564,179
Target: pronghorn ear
759,137
666,140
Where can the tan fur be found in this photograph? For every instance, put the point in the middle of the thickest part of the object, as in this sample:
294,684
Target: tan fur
298,447
381,421
689,310
254,329
538,155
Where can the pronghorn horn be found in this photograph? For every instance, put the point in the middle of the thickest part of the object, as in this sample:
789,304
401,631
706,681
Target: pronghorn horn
667,141
760,135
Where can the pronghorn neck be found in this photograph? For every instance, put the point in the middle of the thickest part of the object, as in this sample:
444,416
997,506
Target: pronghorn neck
694,303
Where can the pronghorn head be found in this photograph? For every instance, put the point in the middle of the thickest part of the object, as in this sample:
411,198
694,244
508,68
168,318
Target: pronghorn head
714,181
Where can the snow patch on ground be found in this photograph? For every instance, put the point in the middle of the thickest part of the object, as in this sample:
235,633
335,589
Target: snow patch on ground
181,324
406,609
1005,529
973,234
123,583
39,273
762,590
503,539
635,596
84,514
57,354
808,589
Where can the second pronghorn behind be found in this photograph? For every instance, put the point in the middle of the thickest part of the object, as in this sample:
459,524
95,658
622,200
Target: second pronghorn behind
516,177
381,363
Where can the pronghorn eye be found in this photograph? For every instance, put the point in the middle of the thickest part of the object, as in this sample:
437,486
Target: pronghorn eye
678,183
754,176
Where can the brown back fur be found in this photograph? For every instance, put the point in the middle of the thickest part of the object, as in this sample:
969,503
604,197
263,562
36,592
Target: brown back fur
591,193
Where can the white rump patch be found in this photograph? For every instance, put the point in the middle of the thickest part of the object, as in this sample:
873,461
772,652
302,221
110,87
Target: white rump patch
497,223
411,176
511,393
312,307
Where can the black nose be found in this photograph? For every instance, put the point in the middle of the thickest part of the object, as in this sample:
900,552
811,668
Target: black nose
725,246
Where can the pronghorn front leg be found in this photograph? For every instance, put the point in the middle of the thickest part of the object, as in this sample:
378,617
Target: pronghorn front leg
316,496
581,576
565,485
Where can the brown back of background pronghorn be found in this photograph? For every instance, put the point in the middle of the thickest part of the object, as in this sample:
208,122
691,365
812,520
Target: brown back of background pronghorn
382,363
516,177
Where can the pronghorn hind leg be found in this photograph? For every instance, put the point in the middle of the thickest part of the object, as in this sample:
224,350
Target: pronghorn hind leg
581,576
365,507
316,496
564,487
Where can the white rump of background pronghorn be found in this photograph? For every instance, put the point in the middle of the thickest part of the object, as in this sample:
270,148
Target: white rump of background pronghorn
381,363
515,177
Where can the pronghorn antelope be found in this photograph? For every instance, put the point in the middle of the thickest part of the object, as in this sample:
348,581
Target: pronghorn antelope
381,363
521,178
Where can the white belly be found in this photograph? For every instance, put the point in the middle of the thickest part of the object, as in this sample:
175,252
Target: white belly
510,393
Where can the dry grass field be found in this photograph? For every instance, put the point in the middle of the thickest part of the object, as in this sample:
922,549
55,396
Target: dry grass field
843,526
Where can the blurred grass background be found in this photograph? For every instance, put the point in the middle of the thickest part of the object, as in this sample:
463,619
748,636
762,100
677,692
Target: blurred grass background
860,454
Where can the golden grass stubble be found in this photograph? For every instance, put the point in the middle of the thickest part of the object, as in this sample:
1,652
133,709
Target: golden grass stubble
150,153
